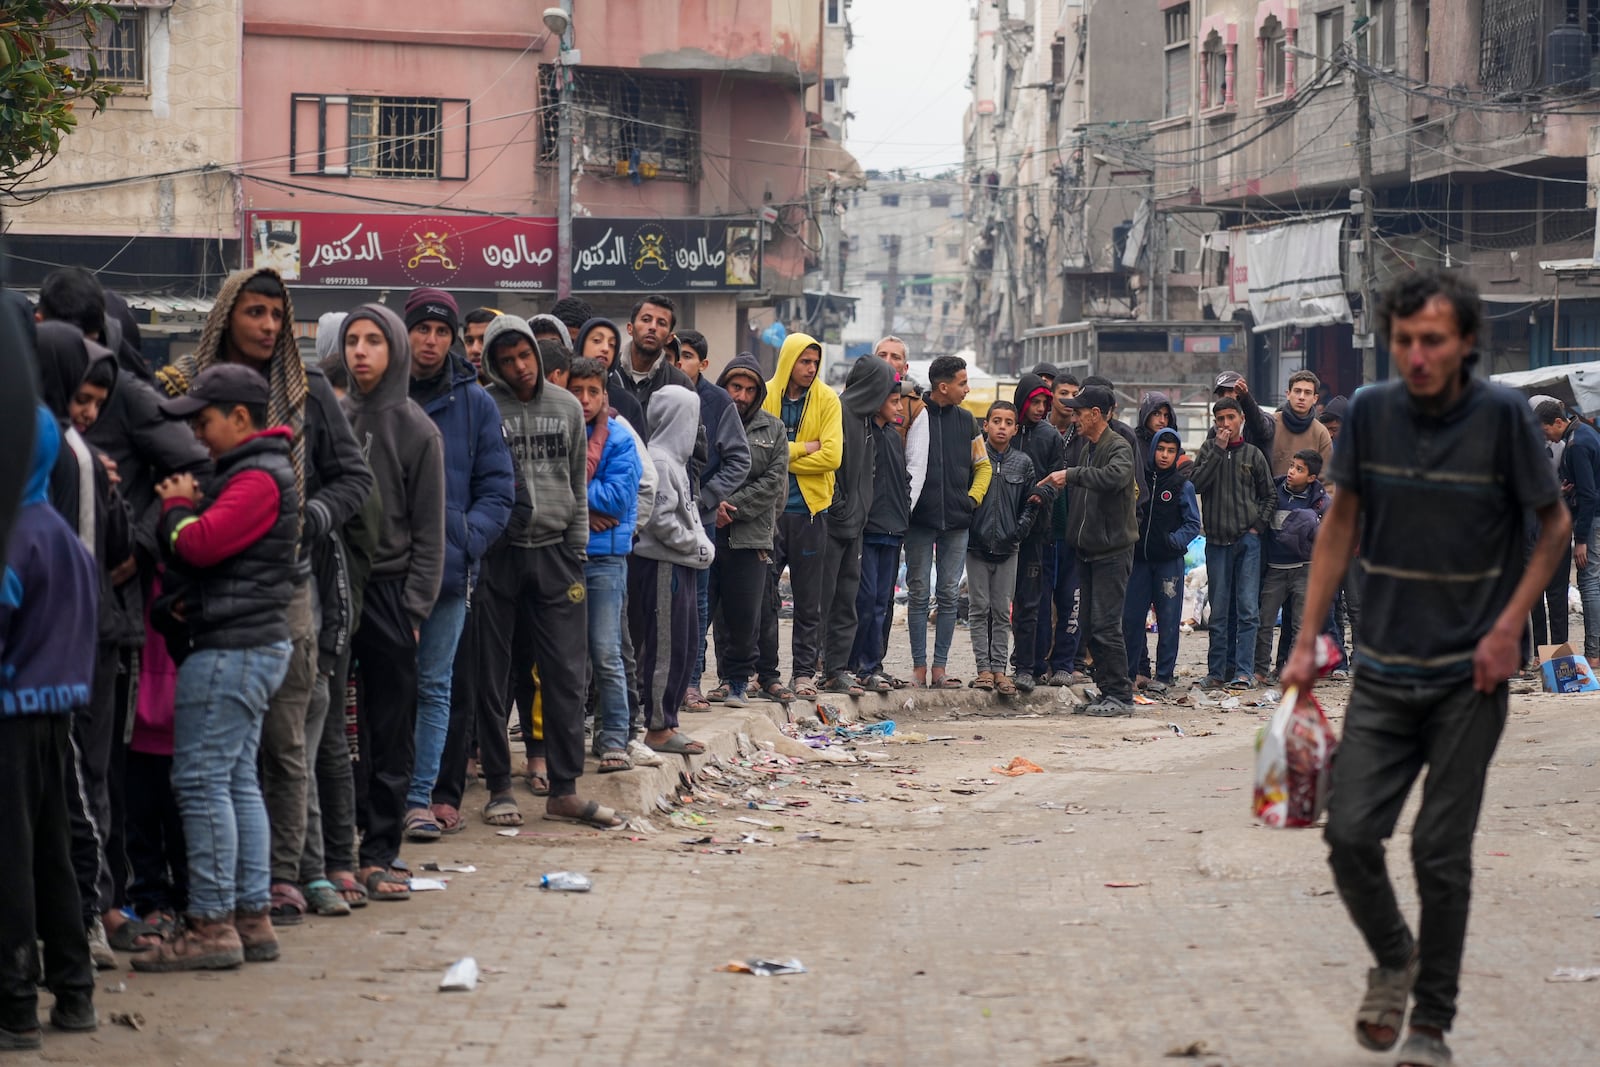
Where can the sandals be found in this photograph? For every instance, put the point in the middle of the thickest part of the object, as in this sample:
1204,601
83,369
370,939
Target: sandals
678,744
984,681
776,691
842,684
502,811
805,689
323,899
593,814
381,876
613,760
448,819
344,884
1424,1050
1005,686
288,905
421,826
1388,990
946,682
878,683
718,695
125,938
693,701
538,782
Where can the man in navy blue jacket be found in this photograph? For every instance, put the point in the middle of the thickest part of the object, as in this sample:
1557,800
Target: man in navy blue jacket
478,496
1580,484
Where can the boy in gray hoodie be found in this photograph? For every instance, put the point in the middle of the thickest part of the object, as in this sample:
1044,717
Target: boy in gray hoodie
662,609
406,454
535,576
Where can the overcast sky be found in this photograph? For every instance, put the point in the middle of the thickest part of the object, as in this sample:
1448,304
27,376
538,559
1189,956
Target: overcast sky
908,83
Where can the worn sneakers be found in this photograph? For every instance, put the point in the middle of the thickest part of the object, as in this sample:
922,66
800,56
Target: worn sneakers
199,945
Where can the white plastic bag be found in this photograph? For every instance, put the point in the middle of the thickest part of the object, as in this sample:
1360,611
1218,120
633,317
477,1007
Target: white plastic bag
1294,763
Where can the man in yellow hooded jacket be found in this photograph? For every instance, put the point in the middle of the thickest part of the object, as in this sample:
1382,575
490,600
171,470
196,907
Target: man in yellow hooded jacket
810,414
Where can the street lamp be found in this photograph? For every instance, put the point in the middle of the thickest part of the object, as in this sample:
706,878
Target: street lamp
558,20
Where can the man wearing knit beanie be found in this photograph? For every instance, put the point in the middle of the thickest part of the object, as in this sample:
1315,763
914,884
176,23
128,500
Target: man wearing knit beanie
434,321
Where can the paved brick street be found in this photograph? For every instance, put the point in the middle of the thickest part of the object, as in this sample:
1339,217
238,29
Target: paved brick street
937,927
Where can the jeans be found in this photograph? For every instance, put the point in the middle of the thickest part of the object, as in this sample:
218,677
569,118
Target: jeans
1157,583
436,657
1390,733
1233,573
606,579
921,545
880,564
990,584
1589,591
218,713
1104,585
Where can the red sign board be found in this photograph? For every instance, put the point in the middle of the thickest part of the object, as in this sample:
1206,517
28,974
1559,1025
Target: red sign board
405,251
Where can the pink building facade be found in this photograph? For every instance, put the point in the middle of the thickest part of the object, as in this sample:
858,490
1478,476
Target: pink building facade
399,143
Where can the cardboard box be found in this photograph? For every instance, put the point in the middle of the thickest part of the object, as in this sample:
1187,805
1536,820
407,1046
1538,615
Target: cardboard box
1565,671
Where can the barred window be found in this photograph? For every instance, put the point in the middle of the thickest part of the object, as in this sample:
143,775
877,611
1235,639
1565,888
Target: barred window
380,136
118,51
616,114
394,137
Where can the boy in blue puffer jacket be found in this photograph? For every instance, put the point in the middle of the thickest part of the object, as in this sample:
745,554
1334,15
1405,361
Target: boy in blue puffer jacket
1301,502
614,467
49,610
1169,518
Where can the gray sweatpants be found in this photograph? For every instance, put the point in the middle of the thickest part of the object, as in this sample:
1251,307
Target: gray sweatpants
989,588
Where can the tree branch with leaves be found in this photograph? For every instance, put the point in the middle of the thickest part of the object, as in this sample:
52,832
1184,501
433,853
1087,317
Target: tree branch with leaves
40,91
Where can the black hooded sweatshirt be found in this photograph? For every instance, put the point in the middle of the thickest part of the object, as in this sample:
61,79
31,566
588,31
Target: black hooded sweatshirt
1040,442
865,391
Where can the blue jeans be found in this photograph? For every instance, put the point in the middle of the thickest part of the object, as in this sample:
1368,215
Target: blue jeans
703,602
606,578
219,705
1233,575
951,546
1589,592
1159,584
874,605
436,658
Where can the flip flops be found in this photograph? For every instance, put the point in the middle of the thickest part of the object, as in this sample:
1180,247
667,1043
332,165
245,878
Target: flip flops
322,898
593,814
502,811
678,744
343,884
382,876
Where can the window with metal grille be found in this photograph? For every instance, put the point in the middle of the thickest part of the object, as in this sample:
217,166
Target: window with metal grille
380,136
1509,45
616,114
1177,62
118,51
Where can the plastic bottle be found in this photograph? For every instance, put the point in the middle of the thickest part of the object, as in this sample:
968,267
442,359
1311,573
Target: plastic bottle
566,882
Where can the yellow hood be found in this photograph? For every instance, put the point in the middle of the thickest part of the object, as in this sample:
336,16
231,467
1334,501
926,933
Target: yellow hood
819,421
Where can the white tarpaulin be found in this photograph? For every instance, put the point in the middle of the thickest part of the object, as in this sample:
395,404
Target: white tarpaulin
1574,384
1294,274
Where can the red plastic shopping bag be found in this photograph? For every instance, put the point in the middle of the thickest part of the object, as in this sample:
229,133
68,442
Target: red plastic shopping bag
1294,760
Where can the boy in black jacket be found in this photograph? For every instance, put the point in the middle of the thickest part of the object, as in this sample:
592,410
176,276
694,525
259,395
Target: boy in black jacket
1004,518
885,532
1168,520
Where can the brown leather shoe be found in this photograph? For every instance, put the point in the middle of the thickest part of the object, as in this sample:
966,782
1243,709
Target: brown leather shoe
256,934
199,945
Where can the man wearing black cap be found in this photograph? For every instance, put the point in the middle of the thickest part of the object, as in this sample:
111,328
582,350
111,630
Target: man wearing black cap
1048,372
1102,493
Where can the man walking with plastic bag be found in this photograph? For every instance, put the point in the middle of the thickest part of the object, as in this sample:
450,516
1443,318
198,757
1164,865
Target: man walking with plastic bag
1447,602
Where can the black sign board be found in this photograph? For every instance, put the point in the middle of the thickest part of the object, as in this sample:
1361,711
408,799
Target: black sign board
665,255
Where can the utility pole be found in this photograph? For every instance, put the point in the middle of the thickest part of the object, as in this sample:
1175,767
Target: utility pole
1366,337
892,286
565,57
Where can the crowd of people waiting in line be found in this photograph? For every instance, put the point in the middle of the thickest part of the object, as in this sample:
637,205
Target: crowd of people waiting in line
264,618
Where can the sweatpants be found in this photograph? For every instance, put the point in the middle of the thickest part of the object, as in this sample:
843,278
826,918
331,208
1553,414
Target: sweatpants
990,584
1104,587
542,589
1392,731
88,856
1025,603
662,614
798,542
156,850
841,580
94,736
285,768
880,566
1282,589
1058,645
384,650
38,890
737,587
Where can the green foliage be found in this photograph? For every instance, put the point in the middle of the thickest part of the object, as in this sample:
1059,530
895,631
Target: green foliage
39,92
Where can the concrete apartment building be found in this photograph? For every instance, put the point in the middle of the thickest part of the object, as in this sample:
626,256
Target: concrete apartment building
144,192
